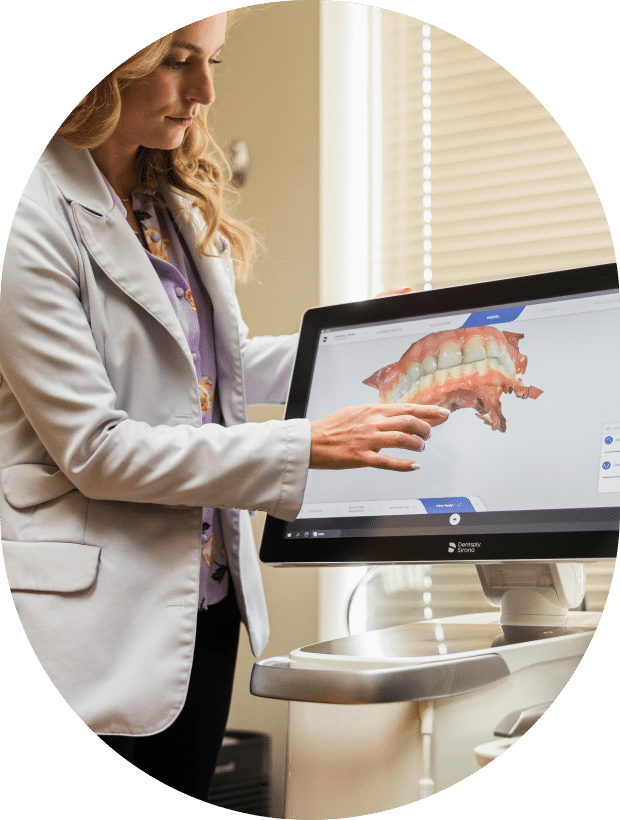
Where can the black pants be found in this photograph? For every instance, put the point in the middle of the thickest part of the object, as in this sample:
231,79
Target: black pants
184,755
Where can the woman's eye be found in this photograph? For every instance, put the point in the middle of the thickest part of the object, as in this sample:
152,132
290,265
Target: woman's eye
177,64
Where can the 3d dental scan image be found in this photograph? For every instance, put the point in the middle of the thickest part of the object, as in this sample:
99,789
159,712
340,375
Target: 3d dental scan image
456,369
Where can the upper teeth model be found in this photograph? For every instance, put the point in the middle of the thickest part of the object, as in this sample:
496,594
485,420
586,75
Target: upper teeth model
467,367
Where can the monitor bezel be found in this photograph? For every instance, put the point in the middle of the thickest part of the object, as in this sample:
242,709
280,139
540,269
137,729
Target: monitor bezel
565,545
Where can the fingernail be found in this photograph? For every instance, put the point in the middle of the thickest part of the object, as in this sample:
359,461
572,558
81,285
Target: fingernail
445,411
414,465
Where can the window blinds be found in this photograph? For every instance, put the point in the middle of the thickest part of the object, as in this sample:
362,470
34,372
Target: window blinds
479,181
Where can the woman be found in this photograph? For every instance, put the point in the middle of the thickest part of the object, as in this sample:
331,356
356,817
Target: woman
128,466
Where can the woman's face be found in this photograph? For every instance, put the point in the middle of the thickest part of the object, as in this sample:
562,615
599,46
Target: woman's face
157,109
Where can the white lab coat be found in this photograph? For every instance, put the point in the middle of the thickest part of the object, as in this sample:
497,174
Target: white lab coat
105,463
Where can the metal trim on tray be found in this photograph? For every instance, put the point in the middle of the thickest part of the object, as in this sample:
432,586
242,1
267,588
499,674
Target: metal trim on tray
275,678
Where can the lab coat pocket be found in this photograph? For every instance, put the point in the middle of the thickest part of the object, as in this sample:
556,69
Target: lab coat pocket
50,566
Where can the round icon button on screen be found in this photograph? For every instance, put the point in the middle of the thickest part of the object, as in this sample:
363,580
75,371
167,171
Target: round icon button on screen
454,519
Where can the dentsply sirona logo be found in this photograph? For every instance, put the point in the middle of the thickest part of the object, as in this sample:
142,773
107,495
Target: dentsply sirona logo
451,546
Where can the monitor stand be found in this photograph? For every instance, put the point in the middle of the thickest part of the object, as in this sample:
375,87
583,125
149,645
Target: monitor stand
533,599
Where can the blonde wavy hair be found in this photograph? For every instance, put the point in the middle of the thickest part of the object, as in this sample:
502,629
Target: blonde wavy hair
191,168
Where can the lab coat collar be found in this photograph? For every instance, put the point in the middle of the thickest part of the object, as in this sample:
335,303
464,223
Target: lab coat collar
77,176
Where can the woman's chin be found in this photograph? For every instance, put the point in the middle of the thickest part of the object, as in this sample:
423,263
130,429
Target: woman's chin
166,144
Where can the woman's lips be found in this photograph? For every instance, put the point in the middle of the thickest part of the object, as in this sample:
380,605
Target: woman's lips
185,122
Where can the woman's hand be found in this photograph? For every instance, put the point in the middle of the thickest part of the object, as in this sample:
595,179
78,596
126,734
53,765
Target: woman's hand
353,436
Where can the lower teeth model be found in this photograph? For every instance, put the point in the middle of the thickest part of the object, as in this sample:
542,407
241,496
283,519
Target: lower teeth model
467,367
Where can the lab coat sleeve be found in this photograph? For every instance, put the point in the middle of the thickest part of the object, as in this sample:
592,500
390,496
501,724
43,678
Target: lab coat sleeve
268,365
50,362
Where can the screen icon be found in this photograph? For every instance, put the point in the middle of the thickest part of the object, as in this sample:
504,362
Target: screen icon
609,464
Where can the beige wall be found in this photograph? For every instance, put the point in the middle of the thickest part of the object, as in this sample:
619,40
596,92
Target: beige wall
268,93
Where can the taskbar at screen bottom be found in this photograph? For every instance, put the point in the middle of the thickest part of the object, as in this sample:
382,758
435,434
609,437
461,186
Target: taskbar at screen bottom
538,535
457,525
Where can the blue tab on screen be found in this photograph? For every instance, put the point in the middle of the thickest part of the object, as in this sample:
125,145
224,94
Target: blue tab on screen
493,317
448,505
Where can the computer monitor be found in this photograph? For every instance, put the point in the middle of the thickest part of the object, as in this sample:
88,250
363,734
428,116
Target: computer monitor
526,468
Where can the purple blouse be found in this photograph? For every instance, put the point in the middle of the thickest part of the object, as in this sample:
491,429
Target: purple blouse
174,266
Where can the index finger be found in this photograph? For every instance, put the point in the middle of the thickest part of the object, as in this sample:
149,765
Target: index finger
431,413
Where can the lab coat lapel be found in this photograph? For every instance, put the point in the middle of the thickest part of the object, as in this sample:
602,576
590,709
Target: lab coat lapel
220,287
112,244
217,276
107,235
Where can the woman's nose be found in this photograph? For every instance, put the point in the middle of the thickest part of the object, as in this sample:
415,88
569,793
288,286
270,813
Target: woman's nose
203,89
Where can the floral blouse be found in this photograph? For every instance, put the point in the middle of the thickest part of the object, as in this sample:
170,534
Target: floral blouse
174,266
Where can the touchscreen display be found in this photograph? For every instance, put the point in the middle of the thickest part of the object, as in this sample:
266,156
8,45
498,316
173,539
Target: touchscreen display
532,445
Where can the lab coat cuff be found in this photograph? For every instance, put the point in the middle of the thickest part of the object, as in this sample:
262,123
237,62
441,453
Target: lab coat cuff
297,442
